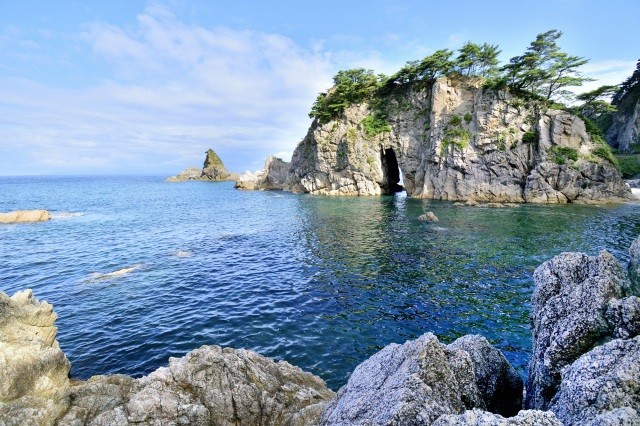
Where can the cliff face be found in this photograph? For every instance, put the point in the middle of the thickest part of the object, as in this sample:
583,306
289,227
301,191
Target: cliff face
213,170
625,129
457,141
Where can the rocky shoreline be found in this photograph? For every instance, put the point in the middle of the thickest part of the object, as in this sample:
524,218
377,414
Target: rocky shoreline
584,370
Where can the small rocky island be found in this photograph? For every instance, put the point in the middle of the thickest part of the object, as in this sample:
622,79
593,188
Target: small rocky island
584,370
212,170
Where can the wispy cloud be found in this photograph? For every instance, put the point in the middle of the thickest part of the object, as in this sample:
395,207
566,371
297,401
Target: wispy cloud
605,73
174,89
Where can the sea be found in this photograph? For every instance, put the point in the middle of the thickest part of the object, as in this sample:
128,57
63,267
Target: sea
139,270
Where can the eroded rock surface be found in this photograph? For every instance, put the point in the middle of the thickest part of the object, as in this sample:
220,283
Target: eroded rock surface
569,308
33,369
416,383
25,216
602,386
209,385
586,318
484,418
499,383
272,176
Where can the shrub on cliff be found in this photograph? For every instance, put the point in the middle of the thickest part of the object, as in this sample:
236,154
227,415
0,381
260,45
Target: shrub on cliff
350,87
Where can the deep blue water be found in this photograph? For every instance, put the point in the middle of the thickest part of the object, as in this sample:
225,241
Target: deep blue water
321,282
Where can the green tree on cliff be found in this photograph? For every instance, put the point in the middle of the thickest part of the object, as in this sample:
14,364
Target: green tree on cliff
544,69
350,87
628,85
595,102
427,69
477,60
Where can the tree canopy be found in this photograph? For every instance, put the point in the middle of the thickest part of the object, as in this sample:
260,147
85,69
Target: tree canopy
350,87
544,71
627,86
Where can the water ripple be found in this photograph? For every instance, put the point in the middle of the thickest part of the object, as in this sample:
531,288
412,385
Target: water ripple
321,282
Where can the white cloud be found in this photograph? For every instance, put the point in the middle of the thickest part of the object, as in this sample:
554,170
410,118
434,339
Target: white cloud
609,72
173,90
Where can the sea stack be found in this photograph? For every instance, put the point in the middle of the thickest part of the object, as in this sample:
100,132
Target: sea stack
212,170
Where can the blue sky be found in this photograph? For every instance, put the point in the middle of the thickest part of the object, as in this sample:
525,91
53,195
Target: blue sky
145,87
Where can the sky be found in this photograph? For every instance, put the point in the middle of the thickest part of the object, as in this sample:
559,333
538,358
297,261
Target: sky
146,87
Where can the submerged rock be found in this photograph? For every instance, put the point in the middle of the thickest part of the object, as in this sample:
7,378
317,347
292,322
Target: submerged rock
428,217
33,369
24,216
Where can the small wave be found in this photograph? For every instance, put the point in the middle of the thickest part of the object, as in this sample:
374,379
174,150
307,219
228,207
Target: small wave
63,215
183,253
95,276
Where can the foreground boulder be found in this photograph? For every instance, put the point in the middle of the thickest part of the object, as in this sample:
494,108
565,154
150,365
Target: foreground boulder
33,369
23,216
421,380
603,385
209,385
499,383
212,170
585,365
569,307
484,418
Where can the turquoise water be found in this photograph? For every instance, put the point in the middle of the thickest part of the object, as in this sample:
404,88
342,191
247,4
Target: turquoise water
321,282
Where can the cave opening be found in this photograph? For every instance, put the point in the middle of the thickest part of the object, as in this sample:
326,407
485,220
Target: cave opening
391,171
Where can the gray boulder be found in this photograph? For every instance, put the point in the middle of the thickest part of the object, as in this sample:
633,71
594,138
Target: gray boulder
602,386
499,383
624,316
416,383
484,418
34,372
569,316
209,385
634,264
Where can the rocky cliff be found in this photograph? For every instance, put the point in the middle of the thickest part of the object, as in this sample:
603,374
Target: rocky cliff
624,131
212,170
584,370
455,140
